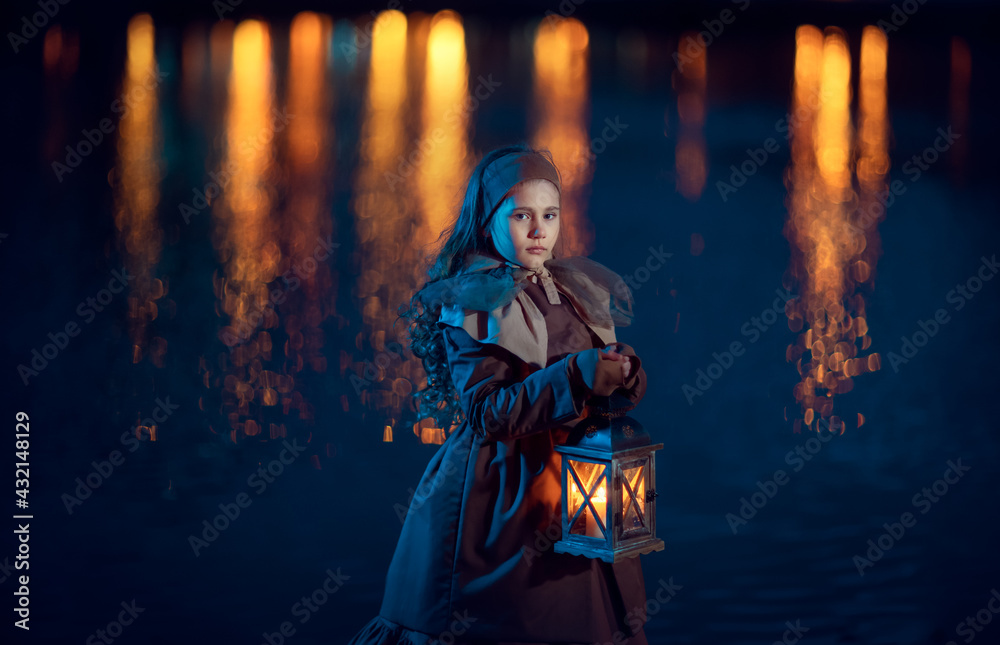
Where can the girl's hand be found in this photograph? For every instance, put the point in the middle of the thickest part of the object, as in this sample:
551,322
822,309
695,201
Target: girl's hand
625,362
605,370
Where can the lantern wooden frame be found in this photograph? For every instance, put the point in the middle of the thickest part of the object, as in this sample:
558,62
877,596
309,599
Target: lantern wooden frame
618,446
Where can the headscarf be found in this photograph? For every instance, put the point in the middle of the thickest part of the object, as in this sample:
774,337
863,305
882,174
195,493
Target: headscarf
500,176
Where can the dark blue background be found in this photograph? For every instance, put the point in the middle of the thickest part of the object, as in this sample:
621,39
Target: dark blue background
791,562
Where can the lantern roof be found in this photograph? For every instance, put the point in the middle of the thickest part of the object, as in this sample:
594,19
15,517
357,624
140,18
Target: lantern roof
605,436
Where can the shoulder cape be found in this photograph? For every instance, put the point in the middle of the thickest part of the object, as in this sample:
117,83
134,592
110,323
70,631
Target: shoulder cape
487,299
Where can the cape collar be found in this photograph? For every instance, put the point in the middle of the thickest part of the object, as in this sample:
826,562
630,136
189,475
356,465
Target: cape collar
487,299
479,262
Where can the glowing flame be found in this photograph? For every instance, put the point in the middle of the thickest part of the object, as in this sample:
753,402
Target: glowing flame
589,474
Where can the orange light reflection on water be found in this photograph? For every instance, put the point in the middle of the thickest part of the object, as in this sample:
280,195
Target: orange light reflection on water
444,142
307,224
388,218
136,184
245,233
60,52
828,246
873,150
958,105
561,105
690,81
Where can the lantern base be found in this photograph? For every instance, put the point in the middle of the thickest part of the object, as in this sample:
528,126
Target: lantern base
608,555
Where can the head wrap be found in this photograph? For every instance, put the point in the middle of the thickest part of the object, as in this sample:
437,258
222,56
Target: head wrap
508,171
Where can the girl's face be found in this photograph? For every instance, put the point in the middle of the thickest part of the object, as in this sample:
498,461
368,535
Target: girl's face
525,226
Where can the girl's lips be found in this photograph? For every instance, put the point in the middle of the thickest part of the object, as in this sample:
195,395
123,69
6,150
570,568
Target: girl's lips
536,251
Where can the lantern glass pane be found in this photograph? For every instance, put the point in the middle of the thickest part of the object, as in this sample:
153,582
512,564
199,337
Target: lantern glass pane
633,499
589,482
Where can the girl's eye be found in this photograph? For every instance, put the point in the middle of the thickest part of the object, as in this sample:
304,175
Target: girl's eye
523,215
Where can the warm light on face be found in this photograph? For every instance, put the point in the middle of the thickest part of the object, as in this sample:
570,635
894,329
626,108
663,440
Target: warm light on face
528,218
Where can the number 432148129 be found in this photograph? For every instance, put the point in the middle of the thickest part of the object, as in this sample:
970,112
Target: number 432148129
21,445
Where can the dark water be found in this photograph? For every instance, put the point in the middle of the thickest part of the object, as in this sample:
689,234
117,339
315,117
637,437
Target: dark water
333,507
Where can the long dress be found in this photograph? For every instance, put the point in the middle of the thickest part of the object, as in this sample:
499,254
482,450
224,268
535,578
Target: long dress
475,562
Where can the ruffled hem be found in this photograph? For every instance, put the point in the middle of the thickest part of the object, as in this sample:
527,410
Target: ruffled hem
380,631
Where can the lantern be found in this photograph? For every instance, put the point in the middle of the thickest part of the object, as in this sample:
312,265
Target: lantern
608,488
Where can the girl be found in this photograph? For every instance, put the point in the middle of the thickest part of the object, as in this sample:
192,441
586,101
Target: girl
517,345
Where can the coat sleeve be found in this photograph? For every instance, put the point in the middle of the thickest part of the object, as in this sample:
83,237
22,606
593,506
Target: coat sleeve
504,397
